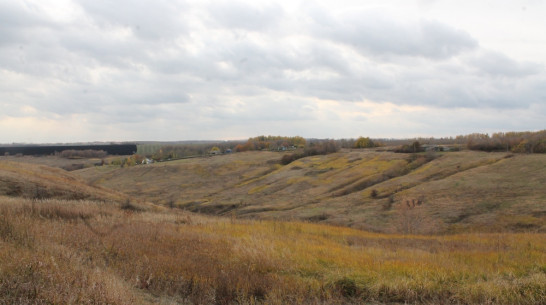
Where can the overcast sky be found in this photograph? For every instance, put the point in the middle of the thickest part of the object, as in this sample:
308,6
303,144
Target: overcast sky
103,70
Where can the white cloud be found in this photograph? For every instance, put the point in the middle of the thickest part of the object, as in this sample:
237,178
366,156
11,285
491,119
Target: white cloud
190,70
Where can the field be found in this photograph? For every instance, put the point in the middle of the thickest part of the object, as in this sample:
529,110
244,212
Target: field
387,192
85,252
444,228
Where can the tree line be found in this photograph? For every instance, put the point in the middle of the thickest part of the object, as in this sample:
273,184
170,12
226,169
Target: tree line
271,143
87,153
518,142
44,150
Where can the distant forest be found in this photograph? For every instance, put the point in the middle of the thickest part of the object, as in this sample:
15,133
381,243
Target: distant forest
44,150
516,142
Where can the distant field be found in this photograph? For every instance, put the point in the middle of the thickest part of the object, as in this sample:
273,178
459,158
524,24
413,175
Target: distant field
386,192
88,252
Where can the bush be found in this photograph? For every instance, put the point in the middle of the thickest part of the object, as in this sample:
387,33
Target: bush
321,148
288,158
364,143
414,147
346,287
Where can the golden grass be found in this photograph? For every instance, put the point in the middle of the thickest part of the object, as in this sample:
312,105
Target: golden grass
66,252
258,189
40,181
462,191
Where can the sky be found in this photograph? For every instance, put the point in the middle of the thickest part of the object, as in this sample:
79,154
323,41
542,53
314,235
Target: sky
167,70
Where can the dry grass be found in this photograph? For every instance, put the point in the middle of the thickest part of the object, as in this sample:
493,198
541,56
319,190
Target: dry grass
41,182
460,191
60,162
84,252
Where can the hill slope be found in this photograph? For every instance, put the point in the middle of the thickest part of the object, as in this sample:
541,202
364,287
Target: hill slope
44,182
378,191
87,252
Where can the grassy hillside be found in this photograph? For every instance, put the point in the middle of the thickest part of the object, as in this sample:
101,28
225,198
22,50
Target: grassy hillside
378,191
62,241
41,182
65,163
87,252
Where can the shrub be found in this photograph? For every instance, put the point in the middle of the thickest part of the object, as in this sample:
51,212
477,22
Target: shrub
127,205
288,158
364,143
414,147
320,148
73,167
346,287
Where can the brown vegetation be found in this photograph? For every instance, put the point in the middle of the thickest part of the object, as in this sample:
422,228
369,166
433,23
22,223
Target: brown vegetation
518,142
42,182
83,252
271,143
463,191
314,149
63,241
414,147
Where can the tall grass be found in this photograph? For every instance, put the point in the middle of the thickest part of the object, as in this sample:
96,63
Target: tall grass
82,252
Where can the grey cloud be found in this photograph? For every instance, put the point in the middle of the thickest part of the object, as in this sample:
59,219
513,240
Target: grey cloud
498,64
175,71
427,85
264,108
147,20
377,34
468,90
233,14
16,19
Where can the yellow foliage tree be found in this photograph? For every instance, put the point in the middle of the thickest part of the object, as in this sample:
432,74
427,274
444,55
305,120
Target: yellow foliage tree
364,143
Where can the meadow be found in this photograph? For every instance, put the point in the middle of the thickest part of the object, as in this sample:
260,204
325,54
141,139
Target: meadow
354,227
88,252
424,193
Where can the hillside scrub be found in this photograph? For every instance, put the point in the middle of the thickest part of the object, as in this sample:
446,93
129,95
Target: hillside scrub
63,252
314,149
414,147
